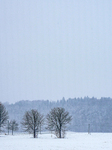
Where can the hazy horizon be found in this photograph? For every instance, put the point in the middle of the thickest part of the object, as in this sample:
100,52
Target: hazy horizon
54,49
9,102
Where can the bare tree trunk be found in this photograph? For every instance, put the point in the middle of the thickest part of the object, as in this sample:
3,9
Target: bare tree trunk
34,135
40,128
8,127
88,128
60,133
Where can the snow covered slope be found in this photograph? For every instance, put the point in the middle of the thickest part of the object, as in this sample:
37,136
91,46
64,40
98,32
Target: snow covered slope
73,141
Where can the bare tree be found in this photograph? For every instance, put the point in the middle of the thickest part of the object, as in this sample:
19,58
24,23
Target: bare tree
3,116
13,126
57,121
31,121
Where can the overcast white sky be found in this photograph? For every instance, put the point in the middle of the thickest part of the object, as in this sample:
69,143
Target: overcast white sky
51,49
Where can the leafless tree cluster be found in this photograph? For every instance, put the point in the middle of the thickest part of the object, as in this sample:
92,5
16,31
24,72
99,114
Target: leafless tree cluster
4,122
32,122
3,116
57,121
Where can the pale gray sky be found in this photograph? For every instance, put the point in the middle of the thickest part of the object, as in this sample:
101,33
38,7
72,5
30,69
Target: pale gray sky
51,49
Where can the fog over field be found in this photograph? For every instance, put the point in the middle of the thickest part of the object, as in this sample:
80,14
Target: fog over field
85,112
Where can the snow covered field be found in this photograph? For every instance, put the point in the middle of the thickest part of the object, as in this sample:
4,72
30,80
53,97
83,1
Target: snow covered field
73,141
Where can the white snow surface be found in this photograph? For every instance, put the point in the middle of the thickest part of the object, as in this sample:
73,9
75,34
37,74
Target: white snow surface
45,141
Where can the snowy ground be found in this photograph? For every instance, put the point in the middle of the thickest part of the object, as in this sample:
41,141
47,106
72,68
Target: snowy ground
73,141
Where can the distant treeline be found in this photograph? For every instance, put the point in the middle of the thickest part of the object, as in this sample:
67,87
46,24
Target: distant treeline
87,113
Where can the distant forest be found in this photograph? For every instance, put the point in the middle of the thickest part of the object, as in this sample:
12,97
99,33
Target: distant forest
92,113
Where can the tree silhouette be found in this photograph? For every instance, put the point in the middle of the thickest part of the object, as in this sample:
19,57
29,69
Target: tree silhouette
57,121
32,120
